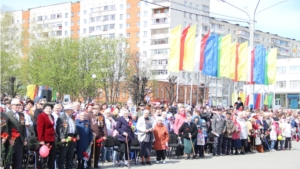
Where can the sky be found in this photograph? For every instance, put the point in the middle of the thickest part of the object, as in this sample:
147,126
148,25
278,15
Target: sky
282,19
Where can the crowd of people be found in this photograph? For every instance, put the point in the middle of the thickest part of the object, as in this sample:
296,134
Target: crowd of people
69,129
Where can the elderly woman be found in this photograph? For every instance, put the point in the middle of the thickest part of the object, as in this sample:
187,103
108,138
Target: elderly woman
126,135
110,127
145,136
189,132
85,138
46,133
244,131
161,140
236,141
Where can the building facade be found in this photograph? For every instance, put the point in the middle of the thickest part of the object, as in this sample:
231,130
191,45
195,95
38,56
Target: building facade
146,25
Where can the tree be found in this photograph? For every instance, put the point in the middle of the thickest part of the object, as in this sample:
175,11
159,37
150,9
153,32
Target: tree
10,52
171,88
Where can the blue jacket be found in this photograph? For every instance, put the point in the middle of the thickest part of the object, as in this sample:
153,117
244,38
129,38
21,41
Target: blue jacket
85,136
122,126
166,123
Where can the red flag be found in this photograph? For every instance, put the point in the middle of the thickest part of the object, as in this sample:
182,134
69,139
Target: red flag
183,35
203,45
247,100
257,103
251,68
236,63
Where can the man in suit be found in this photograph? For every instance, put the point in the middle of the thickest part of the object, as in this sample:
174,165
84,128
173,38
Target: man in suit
65,128
16,120
98,126
218,125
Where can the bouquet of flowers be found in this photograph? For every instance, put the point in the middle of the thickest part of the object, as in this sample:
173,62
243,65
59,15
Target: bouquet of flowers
4,136
86,156
67,140
14,135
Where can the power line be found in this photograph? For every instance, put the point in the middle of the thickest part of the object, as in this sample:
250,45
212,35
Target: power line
242,20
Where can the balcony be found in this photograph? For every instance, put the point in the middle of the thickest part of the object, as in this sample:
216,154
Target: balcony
160,21
160,15
159,36
283,53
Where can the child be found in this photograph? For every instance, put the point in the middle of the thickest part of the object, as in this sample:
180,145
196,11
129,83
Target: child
200,143
273,137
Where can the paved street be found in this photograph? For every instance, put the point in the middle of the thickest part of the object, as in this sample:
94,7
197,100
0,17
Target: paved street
271,160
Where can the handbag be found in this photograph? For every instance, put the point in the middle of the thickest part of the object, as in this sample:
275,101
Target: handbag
257,141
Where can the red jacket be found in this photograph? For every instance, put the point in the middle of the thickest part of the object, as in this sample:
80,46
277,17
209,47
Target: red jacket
161,137
45,128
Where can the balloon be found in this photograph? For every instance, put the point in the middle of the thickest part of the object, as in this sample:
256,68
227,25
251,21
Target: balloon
44,151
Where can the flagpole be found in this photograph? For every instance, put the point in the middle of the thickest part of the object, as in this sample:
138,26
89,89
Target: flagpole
177,89
191,93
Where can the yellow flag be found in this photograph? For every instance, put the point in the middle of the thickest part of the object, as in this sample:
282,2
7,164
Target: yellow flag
266,100
272,62
225,56
242,96
173,62
189,49
242,63
232,60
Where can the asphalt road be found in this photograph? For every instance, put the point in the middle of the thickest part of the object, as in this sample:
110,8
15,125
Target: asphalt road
287,159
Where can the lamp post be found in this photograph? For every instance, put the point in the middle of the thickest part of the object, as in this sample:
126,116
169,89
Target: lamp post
251,22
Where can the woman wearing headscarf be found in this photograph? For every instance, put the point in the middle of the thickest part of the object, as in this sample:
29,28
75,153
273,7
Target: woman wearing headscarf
145,134
85,138
236,141
161,140
189,132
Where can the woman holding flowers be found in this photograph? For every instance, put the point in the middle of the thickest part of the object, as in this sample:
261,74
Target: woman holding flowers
85,139
46,134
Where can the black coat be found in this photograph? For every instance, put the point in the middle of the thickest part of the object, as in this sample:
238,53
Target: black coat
185,129
122,126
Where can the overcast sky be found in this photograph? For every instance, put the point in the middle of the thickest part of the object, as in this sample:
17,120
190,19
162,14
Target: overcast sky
282,19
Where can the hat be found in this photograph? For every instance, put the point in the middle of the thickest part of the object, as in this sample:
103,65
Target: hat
68,107
47,105
159,119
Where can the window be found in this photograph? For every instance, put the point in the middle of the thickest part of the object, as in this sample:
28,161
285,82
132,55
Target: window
127,15
139,4
138,14
121,26
191,4
53,16
197,7
145,13
145,34
295,84
197,18
84,30
112,7
112,26
281,84
78,13
78,22
138,34
105,18
112,17
159,51
159,41
84,21
78,31
294,69
159,31
191,16
138,24
128,6
46,17
111,36
127,35
40,18
72,14
105,8
66,23
98,28
205,8
184,14
121,16
91,29
121,6
281,70
84,11
45,25
66,15
59,15
72,32
127,25
185,3
145,23
66,33
72,23
144,43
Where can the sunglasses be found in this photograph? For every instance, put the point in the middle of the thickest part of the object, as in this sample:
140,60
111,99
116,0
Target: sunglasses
17,104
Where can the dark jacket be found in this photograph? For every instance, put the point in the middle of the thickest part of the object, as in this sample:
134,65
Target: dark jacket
45,128
98,125
12,122
37,112
85,136
62,127
122,126
185,129
3,127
